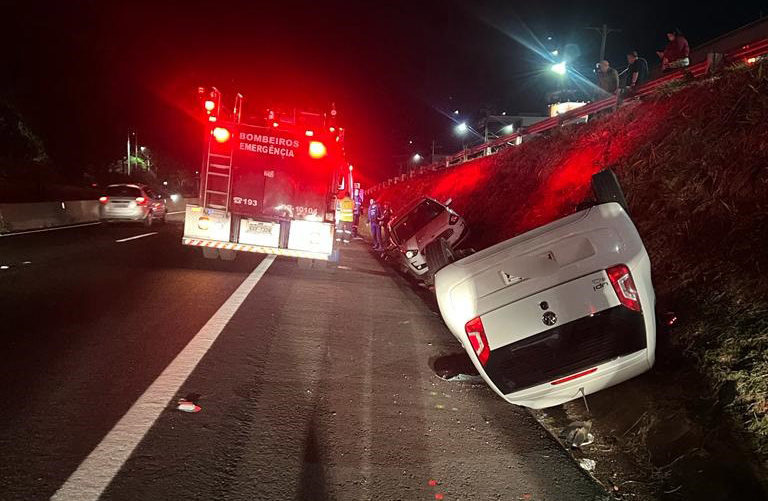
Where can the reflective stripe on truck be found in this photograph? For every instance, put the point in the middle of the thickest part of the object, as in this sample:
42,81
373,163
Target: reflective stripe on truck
198,242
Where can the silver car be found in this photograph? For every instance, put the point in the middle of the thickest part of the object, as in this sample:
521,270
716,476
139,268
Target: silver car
422,222
132,202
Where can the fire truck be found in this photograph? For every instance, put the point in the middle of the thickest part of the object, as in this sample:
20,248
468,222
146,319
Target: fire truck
269,186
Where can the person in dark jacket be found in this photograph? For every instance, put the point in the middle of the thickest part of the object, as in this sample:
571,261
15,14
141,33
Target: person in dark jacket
385,215
373,220
676,53
607,77
637,71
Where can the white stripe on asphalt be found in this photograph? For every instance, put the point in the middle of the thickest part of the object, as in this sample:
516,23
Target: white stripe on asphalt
97,470
27,232
175,212
137,236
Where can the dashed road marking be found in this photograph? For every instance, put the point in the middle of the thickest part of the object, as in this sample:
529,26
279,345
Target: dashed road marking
137,236
97,470
175,212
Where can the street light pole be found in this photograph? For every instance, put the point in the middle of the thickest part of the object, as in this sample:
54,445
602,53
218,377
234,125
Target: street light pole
128,156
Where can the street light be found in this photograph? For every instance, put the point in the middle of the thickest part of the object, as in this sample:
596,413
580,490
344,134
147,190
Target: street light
417,158
559,68
455,112
462,128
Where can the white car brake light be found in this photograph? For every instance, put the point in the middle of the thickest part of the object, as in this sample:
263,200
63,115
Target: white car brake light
476,334
624,285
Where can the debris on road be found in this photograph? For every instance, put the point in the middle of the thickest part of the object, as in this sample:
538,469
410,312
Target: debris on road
577,434
188,406
465,378
587,464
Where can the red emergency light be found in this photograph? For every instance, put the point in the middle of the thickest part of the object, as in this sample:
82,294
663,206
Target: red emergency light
209,105
317,149
220,134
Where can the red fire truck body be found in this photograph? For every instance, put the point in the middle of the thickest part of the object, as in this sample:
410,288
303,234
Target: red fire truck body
268,188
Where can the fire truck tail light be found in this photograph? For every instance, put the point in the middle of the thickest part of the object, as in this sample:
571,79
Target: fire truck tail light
209,105
317,149
309,133
221,134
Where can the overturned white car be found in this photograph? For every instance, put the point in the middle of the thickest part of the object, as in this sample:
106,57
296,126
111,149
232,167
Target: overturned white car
565,309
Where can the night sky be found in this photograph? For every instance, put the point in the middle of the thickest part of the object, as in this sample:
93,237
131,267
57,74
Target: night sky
83,72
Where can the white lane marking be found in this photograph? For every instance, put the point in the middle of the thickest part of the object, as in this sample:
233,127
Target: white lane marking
27,232
175,212
97,470
137,236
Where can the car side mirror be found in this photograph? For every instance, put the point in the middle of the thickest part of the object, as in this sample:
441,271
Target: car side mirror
448,202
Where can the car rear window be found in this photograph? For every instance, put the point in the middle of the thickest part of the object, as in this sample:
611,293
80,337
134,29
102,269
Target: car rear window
123,191
416,219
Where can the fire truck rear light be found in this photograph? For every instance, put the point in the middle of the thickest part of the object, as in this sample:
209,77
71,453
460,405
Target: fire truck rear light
275,124
309,133
103,200
141,201
209,105
211,118
221,134
332,129
624,285
317,149
476,334
203,223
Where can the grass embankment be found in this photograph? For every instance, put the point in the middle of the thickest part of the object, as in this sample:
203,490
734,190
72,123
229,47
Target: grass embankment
693,161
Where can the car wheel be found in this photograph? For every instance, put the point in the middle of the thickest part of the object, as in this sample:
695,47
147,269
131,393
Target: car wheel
439,255
606,187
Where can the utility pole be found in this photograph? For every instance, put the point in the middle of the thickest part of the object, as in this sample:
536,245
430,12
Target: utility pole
604,30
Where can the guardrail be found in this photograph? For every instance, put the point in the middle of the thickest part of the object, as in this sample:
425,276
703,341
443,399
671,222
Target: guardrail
747,53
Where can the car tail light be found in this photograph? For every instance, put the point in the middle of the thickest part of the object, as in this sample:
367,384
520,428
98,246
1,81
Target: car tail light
453,219
103,200
141,201
624,285
476,335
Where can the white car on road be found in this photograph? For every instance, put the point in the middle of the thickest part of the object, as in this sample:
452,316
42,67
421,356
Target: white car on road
420,223
560,311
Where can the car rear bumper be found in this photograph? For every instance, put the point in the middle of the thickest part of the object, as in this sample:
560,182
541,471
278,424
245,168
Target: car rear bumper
606,375
124,215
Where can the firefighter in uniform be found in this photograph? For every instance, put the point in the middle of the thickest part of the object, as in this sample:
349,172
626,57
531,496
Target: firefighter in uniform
346,219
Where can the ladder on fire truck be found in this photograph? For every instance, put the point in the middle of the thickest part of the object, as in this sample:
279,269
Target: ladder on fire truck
217,170
218,180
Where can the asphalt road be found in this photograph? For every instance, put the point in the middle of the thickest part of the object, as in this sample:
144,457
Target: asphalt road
313,384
